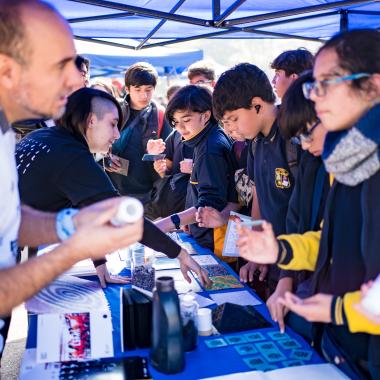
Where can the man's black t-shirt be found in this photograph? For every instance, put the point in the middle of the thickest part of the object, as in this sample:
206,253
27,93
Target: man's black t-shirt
57,170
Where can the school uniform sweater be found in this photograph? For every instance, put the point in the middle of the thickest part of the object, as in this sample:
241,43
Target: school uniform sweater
211,178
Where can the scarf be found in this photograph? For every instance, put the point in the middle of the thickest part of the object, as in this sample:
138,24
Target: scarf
353,155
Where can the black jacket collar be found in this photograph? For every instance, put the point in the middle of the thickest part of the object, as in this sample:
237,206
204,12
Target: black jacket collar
194,141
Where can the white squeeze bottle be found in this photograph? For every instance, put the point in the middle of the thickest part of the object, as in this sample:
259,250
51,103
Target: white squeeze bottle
371,302
130,211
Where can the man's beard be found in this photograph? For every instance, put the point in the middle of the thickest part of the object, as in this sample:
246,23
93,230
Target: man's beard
31,112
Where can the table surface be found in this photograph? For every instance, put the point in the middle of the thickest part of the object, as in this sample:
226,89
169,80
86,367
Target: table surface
203,362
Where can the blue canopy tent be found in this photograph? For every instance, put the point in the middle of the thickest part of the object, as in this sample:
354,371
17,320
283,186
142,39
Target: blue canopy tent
150,23
110,60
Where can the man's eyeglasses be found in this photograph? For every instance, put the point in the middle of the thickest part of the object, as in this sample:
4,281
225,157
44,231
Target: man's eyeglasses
320,86
305,137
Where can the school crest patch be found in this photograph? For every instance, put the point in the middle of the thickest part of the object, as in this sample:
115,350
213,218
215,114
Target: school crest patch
282,179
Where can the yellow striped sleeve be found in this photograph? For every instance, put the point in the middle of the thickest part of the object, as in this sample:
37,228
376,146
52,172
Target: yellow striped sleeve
356,321
304,251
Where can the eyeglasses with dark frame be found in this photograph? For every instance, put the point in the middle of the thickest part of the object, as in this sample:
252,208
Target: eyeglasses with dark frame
305,137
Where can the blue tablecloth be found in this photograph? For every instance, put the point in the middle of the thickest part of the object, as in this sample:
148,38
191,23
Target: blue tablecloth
202,362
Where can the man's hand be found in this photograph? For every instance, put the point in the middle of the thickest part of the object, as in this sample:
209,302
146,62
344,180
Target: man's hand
209,217
277,310
258,246
95,236
105,277
314,309
155,146
248,270
160,167
187,263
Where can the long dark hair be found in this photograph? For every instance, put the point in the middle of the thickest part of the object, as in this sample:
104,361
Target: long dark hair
190,98
79,106
296,111
358,52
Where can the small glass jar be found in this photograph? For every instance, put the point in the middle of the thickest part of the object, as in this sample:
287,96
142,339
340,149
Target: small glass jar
142,267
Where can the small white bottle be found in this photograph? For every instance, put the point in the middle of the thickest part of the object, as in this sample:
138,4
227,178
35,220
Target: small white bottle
371,302
130,211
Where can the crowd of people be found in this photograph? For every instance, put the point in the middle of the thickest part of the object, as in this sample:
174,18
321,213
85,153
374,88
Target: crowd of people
308,167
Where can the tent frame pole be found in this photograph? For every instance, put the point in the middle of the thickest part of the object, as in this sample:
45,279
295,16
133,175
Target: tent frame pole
145,12
303,18
343,24
215,9
109,43
218,21
291,12
159,25
100,17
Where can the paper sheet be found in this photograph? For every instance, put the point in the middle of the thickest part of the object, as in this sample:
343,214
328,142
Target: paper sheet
203,301
180,284
305,372
242,298
68,293
166,263
229,248
203,260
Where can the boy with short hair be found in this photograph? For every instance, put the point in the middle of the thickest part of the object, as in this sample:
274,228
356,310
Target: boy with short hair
244,101
144,120
201,72
288,66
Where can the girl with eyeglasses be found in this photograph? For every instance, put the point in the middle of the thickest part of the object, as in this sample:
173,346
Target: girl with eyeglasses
345,254
212,177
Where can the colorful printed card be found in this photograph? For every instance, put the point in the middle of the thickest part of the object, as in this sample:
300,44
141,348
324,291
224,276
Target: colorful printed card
224,282
74,336
216,270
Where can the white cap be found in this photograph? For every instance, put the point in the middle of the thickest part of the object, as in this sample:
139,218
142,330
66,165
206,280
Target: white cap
188,299
130,211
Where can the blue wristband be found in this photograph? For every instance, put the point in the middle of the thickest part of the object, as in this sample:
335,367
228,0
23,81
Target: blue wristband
65,224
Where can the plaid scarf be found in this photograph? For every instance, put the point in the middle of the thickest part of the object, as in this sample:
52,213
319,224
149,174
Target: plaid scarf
353,155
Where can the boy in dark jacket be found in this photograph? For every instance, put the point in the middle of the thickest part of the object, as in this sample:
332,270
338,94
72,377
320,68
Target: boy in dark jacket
143,121
213,163
243,99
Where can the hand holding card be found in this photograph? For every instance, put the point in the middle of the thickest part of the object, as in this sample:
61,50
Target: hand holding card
116,164
155,146
153,157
